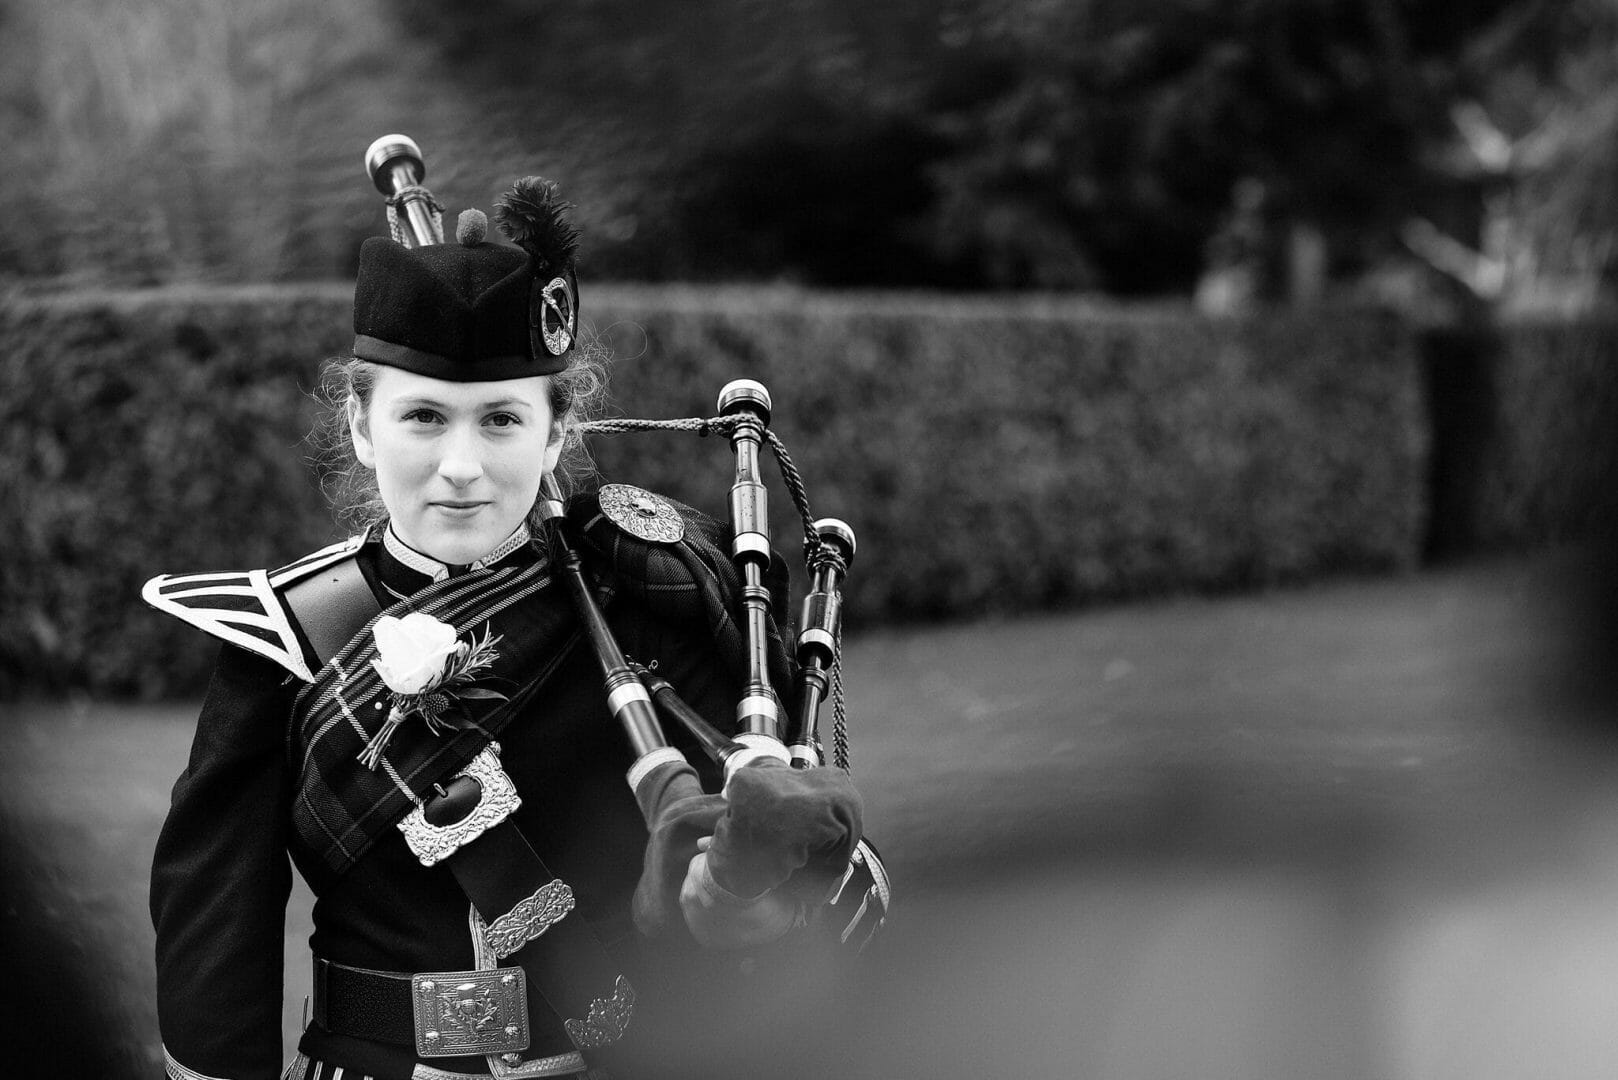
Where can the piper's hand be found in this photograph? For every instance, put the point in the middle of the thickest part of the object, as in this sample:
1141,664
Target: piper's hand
786,828
679,817
719,919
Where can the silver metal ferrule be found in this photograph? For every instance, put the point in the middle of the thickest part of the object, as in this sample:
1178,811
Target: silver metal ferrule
389,151
758,705
750,543
840,534
755,748
818,637
624,693
749,505
749,394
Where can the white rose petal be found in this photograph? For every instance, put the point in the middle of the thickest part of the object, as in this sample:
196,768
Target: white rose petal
411,651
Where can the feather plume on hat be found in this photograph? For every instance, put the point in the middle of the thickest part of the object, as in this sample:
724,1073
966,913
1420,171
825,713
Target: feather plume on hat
533,216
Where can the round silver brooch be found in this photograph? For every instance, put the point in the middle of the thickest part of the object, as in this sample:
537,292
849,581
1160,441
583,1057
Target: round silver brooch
560,316
642,514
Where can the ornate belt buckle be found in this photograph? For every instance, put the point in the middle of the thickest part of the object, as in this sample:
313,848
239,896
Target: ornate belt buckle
470,1012
496,801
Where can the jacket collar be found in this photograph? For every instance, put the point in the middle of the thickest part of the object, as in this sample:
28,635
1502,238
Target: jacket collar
406,570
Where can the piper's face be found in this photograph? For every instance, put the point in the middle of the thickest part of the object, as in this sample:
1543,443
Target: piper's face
458,464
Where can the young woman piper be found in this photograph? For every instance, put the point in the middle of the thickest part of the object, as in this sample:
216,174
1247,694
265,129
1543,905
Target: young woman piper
416,717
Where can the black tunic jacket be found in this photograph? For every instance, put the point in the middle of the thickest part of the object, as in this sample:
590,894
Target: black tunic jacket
221,878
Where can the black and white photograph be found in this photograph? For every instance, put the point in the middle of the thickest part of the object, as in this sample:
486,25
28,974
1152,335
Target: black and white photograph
633,540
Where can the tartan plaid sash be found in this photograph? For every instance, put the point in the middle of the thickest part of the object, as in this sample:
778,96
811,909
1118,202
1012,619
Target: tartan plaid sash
340,807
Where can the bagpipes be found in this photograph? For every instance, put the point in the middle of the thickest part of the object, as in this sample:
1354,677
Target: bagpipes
784,819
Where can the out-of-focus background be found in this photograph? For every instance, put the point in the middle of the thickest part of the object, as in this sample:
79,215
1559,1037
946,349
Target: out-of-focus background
1222,392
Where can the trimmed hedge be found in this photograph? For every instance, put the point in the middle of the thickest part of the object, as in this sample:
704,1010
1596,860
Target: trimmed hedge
996,456
993,455
141,435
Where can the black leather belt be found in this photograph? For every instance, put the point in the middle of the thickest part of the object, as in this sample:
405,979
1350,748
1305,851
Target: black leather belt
388,1007
439,1013
362,1003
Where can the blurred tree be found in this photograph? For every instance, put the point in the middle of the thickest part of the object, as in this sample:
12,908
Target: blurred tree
768,140
1129,131
183,140
1089,144
986,143
1529,166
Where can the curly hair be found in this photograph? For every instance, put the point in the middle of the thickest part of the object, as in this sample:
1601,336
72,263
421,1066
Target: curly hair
578,393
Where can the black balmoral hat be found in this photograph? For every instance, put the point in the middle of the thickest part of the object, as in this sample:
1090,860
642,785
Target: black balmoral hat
473,311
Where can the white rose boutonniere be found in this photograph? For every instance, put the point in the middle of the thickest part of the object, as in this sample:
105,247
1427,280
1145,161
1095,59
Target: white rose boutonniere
428,671
410,652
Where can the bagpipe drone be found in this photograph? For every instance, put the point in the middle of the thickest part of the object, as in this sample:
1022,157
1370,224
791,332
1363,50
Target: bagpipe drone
785,819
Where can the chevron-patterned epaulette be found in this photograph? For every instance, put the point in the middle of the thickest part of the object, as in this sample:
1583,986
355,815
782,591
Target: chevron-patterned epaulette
243,607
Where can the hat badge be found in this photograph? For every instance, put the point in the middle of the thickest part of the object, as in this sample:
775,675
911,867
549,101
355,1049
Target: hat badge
559,316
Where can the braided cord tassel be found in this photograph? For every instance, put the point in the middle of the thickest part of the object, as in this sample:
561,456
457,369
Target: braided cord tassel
399,230
839,711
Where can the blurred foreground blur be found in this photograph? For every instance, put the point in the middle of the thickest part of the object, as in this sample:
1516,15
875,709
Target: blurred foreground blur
1366,829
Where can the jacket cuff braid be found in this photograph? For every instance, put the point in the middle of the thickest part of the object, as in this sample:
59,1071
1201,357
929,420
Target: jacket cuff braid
175,1071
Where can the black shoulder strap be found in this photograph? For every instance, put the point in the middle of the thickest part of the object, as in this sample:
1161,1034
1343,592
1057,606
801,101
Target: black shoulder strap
331,606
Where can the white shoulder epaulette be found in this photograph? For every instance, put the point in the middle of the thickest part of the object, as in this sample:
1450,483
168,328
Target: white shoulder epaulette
242,607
